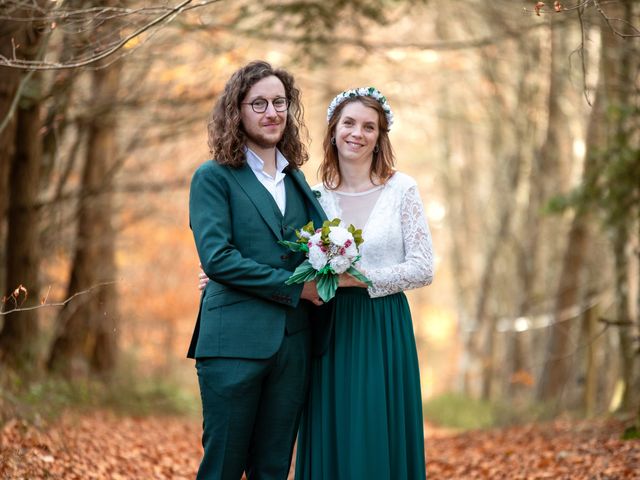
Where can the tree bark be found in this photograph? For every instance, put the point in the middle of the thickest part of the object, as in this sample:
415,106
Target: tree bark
591,374
627,354
19,331
546,178
624,89
556,370
9,83
86,341
637,319
523,126
102,154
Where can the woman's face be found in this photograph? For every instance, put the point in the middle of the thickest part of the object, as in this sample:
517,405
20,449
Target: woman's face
356,133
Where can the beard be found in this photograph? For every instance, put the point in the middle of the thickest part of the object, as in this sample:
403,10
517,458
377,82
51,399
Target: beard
264,140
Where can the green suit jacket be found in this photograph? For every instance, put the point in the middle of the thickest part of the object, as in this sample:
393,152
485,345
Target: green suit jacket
244,307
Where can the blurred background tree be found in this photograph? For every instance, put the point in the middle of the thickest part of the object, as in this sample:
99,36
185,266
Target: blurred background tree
520,122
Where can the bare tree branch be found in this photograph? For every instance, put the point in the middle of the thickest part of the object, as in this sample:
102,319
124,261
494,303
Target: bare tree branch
166,17
58,304
583,58
610,21
117,11
14,104
580,7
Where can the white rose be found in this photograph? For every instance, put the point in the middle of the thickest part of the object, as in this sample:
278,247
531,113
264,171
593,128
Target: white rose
317,258
340,264
339,236
351,251
316,238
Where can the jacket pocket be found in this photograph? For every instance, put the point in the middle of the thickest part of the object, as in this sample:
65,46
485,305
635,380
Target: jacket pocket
223,298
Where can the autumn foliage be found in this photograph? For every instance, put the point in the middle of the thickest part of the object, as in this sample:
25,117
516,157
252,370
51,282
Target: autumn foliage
105,446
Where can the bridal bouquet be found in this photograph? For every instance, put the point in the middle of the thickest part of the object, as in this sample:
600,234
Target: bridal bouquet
330,250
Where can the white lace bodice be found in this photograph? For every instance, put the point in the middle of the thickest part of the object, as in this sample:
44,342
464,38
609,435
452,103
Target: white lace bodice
397,253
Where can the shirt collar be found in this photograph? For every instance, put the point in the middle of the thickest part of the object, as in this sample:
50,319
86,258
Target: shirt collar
257,164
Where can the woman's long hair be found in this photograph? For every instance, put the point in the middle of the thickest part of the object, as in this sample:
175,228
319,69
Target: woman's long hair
227,138
383,161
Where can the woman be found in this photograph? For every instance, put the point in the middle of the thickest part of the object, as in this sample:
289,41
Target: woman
363,418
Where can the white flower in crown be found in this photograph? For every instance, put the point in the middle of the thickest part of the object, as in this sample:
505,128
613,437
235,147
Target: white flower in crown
362,92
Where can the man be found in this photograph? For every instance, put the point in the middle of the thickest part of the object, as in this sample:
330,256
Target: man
252,337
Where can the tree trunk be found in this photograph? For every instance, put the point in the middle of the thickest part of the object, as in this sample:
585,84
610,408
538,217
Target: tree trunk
592,341
627,354
86,340
19,331
637,380
545,178
487,323
624,93
556,371
9,83
454,180
523,126
19,334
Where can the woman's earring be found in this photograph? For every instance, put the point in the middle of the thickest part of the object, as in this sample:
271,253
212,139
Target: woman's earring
376,149
333,141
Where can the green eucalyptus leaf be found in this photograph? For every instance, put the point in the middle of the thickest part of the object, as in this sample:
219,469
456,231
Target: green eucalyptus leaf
309,228
325,233
327,286
357,237
304,273
288,244
357,274
295,246
325,270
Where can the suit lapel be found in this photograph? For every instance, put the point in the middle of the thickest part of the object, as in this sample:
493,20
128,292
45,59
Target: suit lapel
298,177
259,196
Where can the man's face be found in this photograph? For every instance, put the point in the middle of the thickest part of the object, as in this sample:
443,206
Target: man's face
264,130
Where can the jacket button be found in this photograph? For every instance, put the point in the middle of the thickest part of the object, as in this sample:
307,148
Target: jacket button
284,257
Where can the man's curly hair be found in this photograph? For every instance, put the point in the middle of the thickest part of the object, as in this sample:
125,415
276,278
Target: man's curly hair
227,137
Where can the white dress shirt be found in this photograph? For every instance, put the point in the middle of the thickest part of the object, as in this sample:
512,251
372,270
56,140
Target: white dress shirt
275,185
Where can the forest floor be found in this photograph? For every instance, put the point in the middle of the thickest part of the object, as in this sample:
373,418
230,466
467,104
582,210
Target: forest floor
103,445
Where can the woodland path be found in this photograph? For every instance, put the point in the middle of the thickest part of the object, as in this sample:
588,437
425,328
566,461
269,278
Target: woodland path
103,445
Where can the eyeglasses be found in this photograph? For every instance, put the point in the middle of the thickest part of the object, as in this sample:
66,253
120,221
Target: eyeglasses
260,105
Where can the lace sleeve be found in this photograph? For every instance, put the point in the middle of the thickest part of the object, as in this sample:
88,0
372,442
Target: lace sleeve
417,269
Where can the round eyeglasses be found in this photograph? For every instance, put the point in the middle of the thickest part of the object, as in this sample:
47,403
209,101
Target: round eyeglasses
260,105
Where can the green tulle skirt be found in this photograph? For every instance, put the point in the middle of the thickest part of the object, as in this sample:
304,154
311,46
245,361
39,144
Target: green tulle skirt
363,419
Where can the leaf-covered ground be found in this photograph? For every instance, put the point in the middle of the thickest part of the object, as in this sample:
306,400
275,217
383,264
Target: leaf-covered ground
560,451
106,446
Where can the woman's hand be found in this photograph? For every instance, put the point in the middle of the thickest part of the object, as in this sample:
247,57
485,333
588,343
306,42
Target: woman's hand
347,280
310,292
202,279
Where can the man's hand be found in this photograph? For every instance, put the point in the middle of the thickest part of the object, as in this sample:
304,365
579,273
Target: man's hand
310,292
347,280
202,279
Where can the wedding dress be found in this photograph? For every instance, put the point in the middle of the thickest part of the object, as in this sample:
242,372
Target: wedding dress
363,417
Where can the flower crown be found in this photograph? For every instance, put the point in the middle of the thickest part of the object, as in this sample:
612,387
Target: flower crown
362,92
